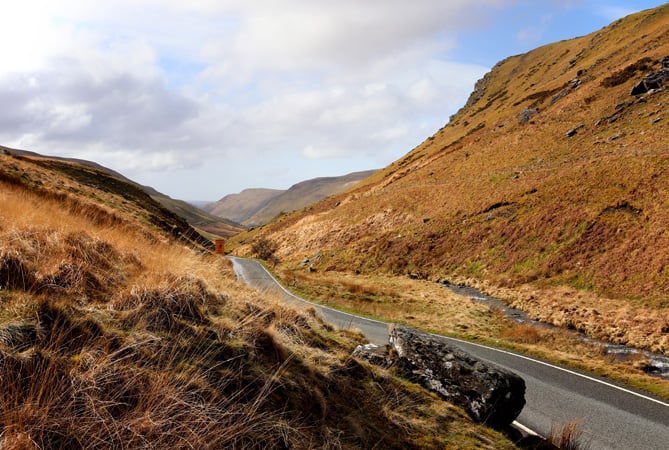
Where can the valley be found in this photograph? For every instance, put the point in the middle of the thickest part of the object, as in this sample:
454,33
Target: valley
530,230
119,328
547,190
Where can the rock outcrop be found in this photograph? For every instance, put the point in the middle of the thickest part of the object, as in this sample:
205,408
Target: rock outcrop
488,393
653,81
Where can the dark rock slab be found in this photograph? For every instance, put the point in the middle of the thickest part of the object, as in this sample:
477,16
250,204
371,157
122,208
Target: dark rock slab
654,80
488,393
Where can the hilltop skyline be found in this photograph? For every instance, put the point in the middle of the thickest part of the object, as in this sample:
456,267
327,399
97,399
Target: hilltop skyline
201,99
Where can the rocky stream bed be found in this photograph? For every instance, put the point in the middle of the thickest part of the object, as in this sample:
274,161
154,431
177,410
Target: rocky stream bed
657,364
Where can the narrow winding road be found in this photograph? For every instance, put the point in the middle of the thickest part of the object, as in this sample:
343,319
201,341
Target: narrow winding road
612,416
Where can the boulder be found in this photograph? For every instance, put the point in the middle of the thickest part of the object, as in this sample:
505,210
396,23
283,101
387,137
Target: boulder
488,393
654,80
526,114
374,354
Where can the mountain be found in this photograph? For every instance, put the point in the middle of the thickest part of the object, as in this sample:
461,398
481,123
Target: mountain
120,328
240,207
199,203
214,226
102,188
254,207
196,217
551,186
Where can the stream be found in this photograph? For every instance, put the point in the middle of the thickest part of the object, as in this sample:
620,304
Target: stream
657,364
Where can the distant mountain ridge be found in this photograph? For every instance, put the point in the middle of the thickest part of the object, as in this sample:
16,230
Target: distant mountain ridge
195,216
121,329
259,206
241,206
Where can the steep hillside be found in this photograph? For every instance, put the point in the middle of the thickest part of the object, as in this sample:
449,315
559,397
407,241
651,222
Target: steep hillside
259,206
193,215
550,188
102,190
118,329
196,217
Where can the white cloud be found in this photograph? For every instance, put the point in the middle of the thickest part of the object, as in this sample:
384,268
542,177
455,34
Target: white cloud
323,152
153,85
308,35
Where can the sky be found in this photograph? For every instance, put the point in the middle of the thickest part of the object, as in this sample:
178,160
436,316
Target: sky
204,98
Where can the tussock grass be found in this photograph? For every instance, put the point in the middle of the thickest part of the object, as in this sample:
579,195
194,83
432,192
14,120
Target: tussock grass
76,371
159,305
106,402
569,436
429,306
114,334
572,230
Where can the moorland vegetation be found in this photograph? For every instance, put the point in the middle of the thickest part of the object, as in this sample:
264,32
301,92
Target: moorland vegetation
119,328
549,189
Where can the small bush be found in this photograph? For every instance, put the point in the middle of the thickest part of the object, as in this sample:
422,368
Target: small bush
524,333
621,76
265,249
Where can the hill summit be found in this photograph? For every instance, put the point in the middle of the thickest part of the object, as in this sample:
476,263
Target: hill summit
549,186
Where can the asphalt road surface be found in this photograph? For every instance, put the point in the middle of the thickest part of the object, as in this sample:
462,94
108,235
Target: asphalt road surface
611,415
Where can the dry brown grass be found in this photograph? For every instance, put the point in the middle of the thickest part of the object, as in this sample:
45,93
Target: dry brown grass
525,333
613,320
421,303
569,436
571,230
104,401
115,335
77,374
429,306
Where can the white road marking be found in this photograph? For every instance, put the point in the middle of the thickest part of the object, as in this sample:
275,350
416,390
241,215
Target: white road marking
489,348
527,430
316,304
560,368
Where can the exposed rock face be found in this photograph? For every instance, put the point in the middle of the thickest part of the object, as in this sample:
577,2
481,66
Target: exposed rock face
488,393
526,114
374,354
654,80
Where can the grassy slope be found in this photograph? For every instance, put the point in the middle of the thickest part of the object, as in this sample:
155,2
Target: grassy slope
571,229
115,335
196,217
